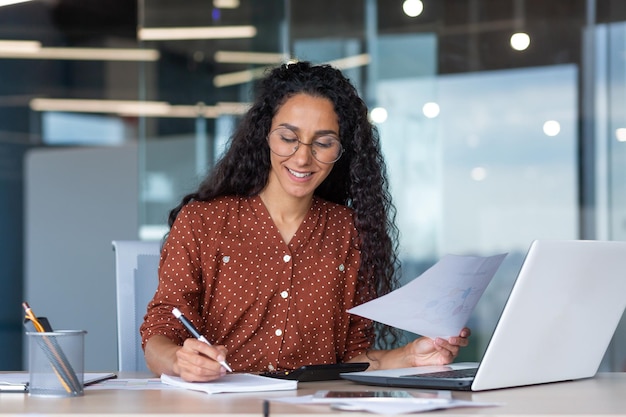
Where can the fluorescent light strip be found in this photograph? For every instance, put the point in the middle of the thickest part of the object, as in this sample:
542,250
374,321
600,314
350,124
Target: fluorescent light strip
23,51
204,32
209,112
10,2
137,108
265,58
240,77
351,62
236,108
126,107
100,54
186,112
226,4
19,46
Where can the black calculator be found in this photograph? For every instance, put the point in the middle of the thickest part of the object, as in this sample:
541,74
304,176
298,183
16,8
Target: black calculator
324,372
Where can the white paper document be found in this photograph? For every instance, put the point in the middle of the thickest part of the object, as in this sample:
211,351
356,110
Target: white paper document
398,406
234,383
130,384
439,302
402,407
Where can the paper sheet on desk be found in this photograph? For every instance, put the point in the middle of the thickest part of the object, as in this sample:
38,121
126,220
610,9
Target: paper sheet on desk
397,406
439,302
402,407
130,384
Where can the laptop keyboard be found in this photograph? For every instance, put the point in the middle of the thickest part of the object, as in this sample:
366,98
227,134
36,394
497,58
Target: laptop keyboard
453,373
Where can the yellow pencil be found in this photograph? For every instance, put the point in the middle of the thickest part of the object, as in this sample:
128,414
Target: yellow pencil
31,316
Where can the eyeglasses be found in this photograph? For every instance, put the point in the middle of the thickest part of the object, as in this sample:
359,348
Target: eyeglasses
284,142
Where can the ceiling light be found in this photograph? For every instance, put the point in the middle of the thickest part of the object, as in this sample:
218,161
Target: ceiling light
551,128
520,41
413,8
246,76
350,61
378,115
10,2
226,4
19,46
431,110
137,108
478,173
205,32
228,107
34,50
233,57
126,107
239,77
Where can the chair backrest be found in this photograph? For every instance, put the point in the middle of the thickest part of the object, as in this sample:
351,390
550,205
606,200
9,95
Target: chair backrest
136,277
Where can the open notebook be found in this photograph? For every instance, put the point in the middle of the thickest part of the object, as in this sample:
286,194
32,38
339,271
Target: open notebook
235,382
556,325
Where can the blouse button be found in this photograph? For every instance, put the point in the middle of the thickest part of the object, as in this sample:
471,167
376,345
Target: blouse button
270,367
286,258
278,332
342,268
226,259
284,294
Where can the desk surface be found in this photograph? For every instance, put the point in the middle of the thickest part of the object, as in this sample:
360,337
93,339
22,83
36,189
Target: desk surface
600,396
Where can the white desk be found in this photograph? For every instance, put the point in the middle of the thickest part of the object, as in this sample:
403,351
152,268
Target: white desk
600,396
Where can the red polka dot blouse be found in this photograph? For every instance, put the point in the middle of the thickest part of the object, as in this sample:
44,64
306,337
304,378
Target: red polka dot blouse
273,305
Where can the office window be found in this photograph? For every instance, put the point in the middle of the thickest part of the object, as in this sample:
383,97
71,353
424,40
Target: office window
502,121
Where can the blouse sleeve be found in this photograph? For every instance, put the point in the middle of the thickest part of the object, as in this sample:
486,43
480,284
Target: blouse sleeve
361,333
180,281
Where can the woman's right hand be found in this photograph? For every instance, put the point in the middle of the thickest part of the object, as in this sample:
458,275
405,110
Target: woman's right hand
195,361
198,362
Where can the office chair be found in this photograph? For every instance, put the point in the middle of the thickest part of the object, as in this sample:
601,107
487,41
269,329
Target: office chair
136,278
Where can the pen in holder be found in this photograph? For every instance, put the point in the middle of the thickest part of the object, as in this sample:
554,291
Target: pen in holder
55,360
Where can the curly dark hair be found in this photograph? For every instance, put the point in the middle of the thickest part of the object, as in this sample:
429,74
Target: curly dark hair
357,180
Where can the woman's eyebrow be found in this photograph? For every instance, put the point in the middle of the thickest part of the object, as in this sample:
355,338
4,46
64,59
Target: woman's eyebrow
317,132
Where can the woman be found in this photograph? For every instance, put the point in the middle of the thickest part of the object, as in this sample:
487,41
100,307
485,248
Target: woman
292,228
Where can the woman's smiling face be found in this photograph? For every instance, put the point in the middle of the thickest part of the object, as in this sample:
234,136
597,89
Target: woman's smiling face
309,118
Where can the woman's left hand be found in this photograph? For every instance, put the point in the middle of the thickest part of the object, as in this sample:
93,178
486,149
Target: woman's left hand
438,351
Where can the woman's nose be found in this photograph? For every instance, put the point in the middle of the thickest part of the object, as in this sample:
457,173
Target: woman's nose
303,154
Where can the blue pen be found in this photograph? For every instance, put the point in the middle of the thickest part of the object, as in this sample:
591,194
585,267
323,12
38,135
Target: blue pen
195,333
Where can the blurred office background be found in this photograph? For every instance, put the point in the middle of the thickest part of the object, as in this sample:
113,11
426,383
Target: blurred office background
502,121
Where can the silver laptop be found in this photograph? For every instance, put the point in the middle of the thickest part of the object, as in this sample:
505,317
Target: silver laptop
557,323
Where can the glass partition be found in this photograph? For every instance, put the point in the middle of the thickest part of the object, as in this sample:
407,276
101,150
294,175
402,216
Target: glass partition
501,121
481,129
210,54
610,135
